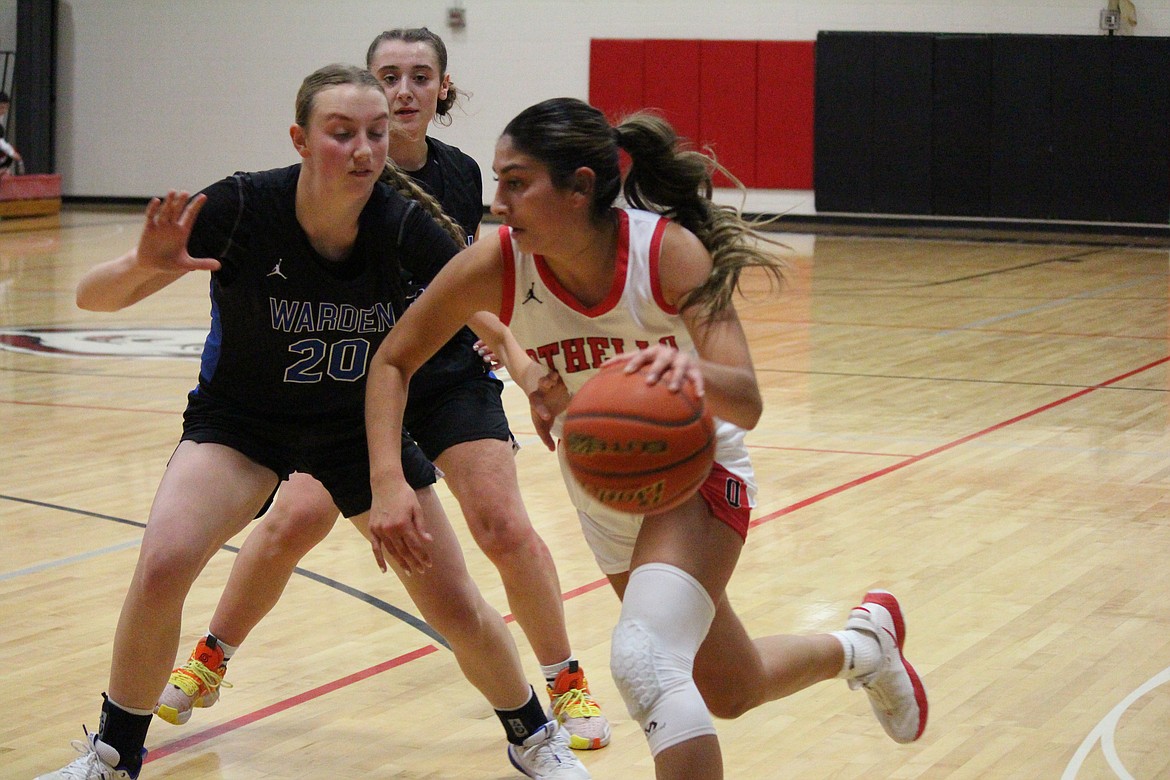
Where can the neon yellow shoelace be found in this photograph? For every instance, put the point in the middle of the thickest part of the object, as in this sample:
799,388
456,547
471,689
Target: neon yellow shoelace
577,703
195,679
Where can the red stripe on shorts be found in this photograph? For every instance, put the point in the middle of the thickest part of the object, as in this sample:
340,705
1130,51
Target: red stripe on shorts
727,495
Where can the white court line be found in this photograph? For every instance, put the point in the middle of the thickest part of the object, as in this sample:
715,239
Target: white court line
1105,730
11,575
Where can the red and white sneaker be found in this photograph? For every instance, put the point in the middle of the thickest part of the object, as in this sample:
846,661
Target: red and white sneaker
895,690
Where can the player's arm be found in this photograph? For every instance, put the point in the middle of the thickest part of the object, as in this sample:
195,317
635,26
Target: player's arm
470,282
547,394
160,258
723,373
502,345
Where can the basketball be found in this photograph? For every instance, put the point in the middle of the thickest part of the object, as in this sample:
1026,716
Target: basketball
634,447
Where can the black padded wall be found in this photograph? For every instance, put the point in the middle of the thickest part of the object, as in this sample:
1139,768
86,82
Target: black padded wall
34,84
1020,178
843,122
961,126
1139,135
1081,105
901,141
1019,126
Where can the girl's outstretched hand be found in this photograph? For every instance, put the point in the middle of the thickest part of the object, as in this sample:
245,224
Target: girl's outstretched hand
163,244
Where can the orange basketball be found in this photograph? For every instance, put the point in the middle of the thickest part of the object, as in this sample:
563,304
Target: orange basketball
637,448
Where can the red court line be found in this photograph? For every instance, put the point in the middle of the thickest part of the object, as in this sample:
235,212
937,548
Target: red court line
281,706
951,445
203,736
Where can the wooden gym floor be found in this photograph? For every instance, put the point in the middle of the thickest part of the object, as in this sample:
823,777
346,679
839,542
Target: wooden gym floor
980,426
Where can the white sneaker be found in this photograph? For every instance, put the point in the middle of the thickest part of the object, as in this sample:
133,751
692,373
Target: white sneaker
577,711
98,761
546,756
896,693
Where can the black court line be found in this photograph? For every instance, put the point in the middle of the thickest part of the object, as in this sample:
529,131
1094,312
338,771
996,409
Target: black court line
421,625
1074,257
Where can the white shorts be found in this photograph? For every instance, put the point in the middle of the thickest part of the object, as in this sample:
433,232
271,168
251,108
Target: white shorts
611,535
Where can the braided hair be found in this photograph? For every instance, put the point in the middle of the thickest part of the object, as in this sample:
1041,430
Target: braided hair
410,189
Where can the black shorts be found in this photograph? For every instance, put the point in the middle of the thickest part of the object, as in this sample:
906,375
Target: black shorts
339,459
468,411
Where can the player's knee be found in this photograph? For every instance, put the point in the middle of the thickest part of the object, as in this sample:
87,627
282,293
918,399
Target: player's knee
632,662
501,532
295,527
655,682
665,615
168,570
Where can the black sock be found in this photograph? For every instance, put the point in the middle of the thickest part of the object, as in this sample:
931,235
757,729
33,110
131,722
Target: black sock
124,732
521,724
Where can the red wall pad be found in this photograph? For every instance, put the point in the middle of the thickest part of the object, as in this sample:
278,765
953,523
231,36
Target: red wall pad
615,76
784,127
727,106
670,83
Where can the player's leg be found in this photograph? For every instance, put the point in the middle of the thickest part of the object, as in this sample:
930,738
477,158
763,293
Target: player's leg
681,563
482,476
301,515
187,525
466,432
483,647
736,673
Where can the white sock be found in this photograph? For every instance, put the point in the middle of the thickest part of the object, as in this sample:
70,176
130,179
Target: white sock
228,650
131,710
550,672
863,653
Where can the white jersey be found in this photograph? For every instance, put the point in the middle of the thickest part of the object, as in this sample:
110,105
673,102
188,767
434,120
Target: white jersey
573,339
563,334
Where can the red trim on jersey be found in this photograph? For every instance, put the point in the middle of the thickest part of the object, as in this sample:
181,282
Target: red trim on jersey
655,251
727,497
508,281
620,266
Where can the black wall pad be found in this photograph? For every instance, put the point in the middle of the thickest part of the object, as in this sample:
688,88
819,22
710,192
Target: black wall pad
34,85
961,138
1021,127
1060,127
843,122
1081,106
901,141
1139,135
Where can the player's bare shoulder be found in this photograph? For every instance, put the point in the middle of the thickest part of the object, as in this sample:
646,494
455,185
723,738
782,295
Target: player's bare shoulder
683,262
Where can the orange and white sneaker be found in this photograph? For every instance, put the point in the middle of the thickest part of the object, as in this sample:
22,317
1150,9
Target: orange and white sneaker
577,711
896,692
194,684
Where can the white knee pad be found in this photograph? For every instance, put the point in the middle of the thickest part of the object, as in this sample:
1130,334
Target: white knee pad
665,616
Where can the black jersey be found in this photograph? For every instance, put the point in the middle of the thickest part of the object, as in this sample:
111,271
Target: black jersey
291,332
453,178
